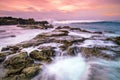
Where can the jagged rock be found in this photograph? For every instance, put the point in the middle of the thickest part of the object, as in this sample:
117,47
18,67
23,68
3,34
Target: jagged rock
23,74
95,52
43,55
20,67
66,27
75,29
2,57
59,27
117,40
14,49
72,51
20,60
97,32
54,33
31,71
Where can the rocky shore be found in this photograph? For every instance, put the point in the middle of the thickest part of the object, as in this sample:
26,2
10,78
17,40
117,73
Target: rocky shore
25,60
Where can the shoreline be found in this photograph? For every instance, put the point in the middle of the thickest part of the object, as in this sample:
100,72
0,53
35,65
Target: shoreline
59,42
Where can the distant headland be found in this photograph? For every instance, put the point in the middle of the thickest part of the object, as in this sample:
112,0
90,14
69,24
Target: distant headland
15,21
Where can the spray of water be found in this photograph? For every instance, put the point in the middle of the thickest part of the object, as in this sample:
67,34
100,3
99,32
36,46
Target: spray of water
70,68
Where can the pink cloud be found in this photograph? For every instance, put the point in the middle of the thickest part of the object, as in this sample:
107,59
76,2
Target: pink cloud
60,8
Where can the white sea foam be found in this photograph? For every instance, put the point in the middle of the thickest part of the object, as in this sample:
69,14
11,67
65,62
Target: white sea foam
21,35
99,43
74,21
69,68
81,34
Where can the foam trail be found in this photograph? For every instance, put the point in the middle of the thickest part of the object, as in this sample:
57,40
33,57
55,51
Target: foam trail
69,68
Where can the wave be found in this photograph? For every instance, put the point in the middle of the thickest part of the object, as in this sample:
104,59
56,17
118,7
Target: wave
100,22
85,22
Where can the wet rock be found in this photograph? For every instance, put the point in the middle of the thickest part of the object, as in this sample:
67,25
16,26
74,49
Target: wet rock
54,33
24,74
15,77
20,60
117,40
94,52
75,29
43,55
35,42
72,51
59,27
97,32
20,67
66,27
2,57
33,26
65,45
14,49
12,35
31,71
5,48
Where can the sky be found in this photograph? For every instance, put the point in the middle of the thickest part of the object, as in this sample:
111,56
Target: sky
62,9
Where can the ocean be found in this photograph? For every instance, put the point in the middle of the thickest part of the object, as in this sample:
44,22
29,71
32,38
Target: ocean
111,28
77,67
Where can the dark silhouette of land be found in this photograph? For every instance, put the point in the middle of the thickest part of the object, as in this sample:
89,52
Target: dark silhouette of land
15,21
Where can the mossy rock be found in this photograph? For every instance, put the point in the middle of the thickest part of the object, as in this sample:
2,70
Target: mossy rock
13,49
16,77
43,55
31,71
18,60
72,51
2,57
94,52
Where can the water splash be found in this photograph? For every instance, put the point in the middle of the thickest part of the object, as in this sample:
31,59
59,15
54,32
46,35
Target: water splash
69,68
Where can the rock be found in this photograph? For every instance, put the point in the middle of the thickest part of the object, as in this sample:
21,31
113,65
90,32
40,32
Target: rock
20,67
15,77
20,60
97,32
54,33
4,54
5,48
31,71
12,35
72,51
66,27
14,49
75,29
94,52
117,40
65,43
35,55
2,57
43,55
59,27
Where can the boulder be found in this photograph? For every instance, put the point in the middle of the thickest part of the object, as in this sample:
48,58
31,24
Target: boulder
17,61
14,49
31,71
72,51
23,74
2,57
44,55
94,52
117,40
20,67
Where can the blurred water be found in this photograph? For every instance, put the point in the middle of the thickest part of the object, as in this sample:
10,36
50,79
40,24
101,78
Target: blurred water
10,35
110,28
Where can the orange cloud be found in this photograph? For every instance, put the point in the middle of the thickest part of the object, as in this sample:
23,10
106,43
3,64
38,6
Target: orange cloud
61,8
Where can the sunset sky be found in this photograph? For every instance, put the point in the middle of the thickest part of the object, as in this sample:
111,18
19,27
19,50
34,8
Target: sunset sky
62,9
